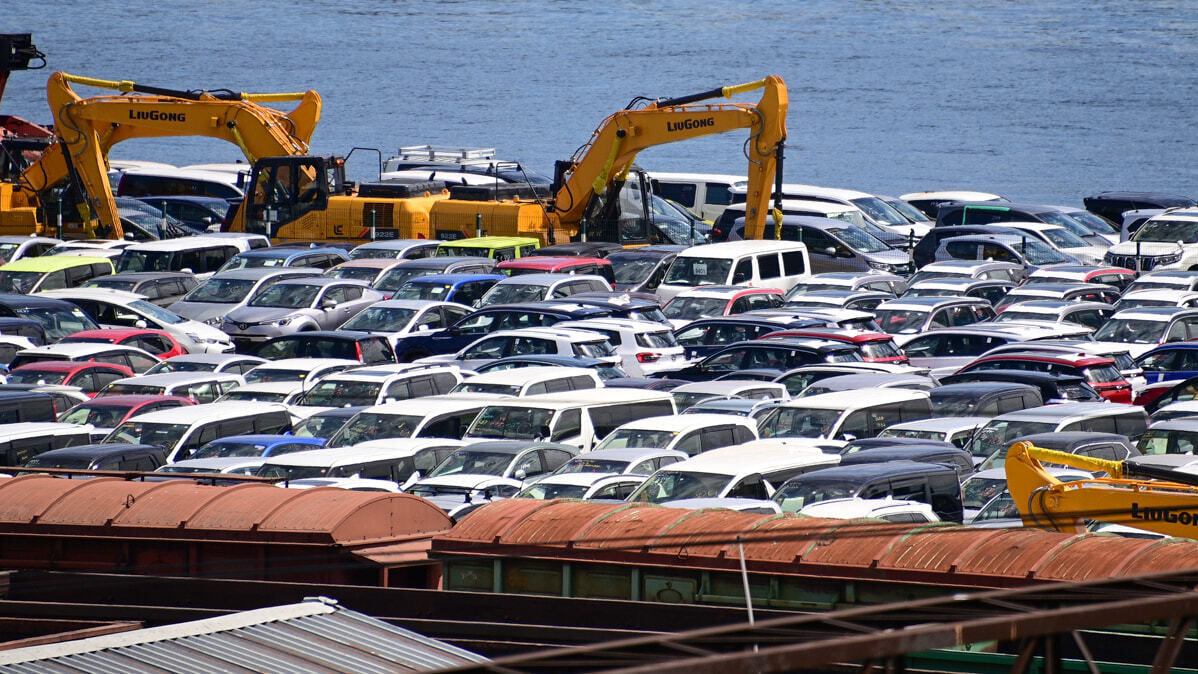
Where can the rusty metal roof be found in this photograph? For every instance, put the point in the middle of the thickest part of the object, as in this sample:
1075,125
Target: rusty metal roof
649,534
181,508
317,635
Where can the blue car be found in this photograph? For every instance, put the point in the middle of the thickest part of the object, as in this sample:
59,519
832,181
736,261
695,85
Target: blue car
1170,361
256,445
461,288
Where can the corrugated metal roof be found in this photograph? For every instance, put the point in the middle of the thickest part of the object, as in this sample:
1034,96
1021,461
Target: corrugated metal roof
181,507
317,635
652,534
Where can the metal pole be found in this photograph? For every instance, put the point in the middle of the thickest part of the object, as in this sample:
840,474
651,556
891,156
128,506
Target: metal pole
59,219
373,222
478,224
744,576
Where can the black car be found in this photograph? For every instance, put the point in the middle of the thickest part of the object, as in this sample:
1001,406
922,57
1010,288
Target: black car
488,320
707,335
936,485
1111,205
1054,387
983,398
925,452
196,212
368,348
641,269
28,328
59,317
112,456
777,355
162,288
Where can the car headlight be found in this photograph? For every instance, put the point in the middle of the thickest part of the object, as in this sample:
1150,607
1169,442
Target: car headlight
194,337
1169,259
285,320
214,321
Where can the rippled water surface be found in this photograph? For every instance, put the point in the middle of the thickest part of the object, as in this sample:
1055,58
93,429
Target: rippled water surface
1039,101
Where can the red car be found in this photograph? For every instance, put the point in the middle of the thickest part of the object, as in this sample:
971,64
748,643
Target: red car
158,342
1099,372
89,376
875,347
112,411
546,264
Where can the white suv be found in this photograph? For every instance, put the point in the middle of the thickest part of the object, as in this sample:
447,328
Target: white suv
1165,241
644,347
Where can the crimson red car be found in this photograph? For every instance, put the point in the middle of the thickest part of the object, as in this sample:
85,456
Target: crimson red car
545,264
1100,372
89,376
112,411
875,347
158,342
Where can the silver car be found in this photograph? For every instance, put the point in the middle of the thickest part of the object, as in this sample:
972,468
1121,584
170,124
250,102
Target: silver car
226,291
297,305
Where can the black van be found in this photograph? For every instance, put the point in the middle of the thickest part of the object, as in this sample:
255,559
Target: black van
934,484
28,328
983,398
118,456
936,452
59,318
18,406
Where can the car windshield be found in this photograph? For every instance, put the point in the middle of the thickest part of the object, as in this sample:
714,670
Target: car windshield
637,437
318,426
363,253
1168,231
1130,331
423,291
599,349
1039,253
20,282
61,462
670,485
1137,303
552,491
992,440
221,291
698,271
343,393
100,416
367,274
979,490
139,260
804,288
146,433
112,284
252,261
881,211
1001,507
219,449
286,295
632,270
501,389
962,404
1093,222
513,293
929,275
799,422
474,462
375,426
131,388
1161,441
910,212
1063,238
794,497
58,322
7,250
1024,315
913,433
291,472
260,396
394,279
521,423
462,251
585,465
388,319
266,375
859,239
901,321
156,312
181,366
689,308
1068,222
36,377
308,347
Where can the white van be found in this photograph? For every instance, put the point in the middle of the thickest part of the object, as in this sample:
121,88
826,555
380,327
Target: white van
754,264
753,470
845,414
395,459
526,381
202,255
166,181
578,418
690,433
429,417
183,430
705,194
874,209
24,440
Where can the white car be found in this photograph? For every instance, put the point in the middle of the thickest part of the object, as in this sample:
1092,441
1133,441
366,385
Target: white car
891,510
120,309
399,318
645,348
529,341
1168,241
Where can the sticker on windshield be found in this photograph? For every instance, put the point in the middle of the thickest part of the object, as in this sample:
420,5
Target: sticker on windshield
700,269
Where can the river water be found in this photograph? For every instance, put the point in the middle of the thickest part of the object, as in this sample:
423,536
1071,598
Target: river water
1036,100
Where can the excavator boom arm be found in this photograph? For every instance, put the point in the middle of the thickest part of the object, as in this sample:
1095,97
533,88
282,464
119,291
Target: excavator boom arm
616,143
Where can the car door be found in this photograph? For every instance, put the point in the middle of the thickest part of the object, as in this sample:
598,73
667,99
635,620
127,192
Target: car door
484,351
818,247
333,308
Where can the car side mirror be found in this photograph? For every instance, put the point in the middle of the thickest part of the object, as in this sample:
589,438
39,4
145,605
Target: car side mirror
187,270
830,251
520,474
141,323
740,277
328,303
848,437
423,327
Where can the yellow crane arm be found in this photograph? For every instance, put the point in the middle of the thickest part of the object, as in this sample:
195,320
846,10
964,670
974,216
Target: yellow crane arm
88,128
1160,505
621,136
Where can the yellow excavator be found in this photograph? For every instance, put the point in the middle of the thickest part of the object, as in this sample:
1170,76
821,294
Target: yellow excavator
86,129
1147,497
307,197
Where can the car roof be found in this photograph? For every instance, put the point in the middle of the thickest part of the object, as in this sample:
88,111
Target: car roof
681,423
366,451
856,398
81,349
731,248
176,378
97,450
64,366
1068,410
630,454
192,414
49,263
455,278
864,472
928,303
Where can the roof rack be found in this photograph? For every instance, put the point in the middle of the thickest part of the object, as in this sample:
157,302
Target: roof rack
446,153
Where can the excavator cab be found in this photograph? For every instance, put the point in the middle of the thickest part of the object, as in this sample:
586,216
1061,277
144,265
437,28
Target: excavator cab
283,189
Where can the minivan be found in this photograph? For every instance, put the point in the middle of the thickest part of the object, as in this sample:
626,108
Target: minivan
705,194
140,458
34,274
757,264
991,441
579,418
201,255
838,246
428,417
845,414
175,181
934,484
498,248
752,470
20,442
182,430
18,406
690,433
394,459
